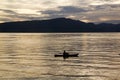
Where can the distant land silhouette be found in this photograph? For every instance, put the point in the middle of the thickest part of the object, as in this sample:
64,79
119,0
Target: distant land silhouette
58,25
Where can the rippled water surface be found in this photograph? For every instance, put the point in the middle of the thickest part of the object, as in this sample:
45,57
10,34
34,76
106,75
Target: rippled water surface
30,56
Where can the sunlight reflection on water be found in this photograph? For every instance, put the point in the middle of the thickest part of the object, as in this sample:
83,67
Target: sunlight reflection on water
30,56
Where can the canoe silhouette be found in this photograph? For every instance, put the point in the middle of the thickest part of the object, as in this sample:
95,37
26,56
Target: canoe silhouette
68,55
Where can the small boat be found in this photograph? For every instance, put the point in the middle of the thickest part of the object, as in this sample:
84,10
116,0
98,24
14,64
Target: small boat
68,55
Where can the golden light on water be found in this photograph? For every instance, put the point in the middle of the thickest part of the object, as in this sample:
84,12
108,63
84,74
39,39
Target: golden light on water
31,56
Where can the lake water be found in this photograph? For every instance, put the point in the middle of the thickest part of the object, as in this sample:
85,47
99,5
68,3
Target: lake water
30,56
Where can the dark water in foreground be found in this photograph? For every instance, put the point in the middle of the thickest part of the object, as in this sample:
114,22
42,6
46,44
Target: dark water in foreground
30,56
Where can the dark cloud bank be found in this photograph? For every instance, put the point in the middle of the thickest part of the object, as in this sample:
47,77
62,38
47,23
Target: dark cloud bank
65,10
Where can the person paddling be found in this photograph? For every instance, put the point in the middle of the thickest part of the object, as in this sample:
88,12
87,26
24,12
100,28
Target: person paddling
65,54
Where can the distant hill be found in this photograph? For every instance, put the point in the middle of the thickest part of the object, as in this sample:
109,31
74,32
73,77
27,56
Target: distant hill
112,21
58,25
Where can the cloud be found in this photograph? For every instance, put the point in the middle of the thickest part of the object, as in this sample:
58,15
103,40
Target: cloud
101,2
63,11
106,7
71,9
101,15
87,10
8,11
11,15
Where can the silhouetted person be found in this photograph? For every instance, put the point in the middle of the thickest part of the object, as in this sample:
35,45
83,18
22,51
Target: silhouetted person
65,54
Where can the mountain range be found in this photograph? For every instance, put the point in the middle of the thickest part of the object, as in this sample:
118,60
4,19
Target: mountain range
58,25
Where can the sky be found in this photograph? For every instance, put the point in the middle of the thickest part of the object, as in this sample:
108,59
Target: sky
96,11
